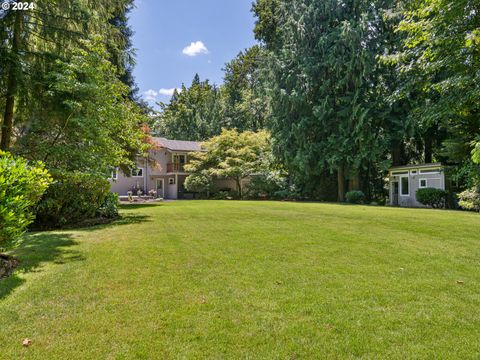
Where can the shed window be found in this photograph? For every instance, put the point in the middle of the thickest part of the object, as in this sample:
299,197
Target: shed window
404,190
430,171
171,181
423,183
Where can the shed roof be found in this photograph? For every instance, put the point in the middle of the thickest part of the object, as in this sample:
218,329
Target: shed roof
179,145
417,166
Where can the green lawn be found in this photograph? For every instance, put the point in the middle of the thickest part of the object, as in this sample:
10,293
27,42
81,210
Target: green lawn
213,279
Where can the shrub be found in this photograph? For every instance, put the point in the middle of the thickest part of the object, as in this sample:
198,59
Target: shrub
470,199
199,183
265,186
109,208
435,198
355,197
21,187
73,198
226,194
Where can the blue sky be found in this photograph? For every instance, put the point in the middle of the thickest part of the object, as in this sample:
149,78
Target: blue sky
174,39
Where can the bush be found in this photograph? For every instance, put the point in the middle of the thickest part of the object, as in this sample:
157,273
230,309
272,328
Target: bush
225,194
355,197
109,208
199,183
73,198
21,187
265,186
436,198
470,199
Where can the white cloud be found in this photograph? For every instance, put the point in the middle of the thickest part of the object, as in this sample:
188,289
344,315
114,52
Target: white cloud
150,95
168,92
195,48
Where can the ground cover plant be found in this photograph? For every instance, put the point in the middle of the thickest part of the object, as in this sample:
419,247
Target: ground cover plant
229,279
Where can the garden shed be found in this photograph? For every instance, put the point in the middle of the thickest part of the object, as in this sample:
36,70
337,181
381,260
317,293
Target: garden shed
406,180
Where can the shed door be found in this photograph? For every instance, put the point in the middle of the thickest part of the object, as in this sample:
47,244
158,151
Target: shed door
395,193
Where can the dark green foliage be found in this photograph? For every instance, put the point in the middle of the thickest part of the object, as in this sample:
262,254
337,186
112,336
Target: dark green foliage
194,113
470,199
245,106
266,186
109,208
73,198
226,194
436,198
355,197
320,73
21,187
201,111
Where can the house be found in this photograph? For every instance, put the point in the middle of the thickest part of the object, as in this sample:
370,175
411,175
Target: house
406,180
162,170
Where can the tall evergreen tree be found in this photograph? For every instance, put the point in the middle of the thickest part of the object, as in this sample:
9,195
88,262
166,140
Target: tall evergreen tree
194,113
245,106
320,78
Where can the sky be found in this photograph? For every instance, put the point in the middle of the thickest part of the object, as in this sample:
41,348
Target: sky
174,39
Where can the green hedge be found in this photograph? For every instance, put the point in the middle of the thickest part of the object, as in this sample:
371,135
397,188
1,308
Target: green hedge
355,197
73,198
21,187
435,198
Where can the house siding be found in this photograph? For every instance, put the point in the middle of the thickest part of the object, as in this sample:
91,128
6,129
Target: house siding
434,180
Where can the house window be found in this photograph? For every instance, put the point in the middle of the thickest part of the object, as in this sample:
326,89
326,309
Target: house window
137,172
404,186
179,158
423,183
399,172
171,181
114,174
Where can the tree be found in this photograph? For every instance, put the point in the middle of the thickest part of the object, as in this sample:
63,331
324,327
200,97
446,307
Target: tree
245,106
440,59
86,121
194,113
320,75
231,155
32,41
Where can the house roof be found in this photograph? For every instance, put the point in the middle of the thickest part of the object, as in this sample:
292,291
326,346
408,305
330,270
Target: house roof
417,166
179,145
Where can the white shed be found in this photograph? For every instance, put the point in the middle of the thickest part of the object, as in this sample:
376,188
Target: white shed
406,180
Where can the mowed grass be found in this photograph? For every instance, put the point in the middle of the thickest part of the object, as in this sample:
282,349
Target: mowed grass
249,280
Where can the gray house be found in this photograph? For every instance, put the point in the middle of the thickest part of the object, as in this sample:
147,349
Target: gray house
162,170
406,180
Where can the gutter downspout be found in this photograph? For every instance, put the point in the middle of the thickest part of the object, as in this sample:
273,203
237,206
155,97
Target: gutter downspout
145,178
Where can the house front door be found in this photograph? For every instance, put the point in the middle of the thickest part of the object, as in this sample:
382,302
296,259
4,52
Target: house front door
160,188
395,193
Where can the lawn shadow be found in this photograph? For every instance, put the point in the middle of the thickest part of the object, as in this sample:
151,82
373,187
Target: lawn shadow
125,219
129,206
36,249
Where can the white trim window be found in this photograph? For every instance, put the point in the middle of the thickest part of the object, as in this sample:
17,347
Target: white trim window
171,181
137,173
114,174
404,186
422,183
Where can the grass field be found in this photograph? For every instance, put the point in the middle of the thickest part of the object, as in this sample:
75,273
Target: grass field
258,280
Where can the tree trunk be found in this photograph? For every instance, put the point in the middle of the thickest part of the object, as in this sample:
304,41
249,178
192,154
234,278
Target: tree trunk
239,187
428,146
355,182
397,153
12,83
341,184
